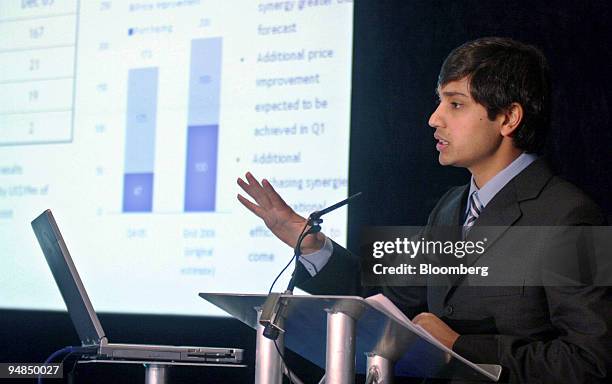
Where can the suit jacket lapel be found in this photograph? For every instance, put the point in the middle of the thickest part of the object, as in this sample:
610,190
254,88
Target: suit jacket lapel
501,212
452,212
504,211
447,228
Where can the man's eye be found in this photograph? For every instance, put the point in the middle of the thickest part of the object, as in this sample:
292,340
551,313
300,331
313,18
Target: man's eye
456,105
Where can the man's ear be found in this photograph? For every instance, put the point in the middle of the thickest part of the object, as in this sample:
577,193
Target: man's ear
513,116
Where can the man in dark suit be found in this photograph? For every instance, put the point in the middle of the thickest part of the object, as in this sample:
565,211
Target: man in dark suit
492,119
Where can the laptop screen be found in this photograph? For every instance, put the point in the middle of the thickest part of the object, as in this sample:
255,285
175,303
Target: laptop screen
66,277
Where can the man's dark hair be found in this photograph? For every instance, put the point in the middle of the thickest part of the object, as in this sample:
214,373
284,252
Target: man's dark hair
501,71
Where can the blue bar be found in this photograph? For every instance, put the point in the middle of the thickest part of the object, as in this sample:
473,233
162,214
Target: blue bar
201,172
138,192
203,125
141,118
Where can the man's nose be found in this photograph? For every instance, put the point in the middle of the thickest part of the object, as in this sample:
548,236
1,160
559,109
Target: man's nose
434,119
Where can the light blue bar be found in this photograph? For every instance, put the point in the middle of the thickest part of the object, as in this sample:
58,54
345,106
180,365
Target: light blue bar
141,119
205,82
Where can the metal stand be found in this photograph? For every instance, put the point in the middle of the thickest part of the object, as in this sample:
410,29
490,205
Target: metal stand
156,373
268,363
380,370
340,350
324,330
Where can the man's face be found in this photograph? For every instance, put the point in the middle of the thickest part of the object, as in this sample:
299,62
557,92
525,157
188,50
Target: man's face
465,137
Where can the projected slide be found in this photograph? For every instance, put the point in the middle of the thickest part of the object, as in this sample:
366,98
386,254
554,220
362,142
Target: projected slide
132,120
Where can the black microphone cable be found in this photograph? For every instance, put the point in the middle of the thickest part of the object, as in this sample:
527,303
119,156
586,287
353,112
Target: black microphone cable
290,261
290,373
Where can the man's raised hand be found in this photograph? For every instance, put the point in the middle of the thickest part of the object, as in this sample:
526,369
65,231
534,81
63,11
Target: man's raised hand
283,221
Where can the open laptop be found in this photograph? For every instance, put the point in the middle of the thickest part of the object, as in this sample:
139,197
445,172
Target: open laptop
86,321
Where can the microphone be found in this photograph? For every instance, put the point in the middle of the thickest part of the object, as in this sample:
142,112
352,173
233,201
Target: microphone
316,215
314,221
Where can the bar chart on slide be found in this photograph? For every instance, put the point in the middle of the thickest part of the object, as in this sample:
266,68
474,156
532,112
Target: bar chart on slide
140,140
203,125
37,70
202,131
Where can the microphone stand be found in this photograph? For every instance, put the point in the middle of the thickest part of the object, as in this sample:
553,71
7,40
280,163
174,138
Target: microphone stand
314,222
273,308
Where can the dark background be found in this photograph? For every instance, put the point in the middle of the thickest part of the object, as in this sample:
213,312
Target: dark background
399,47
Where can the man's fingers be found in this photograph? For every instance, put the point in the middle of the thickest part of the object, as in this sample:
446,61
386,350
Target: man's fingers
422,317
243,184
272,194
255,190
256,209
252,180
246,187
249,189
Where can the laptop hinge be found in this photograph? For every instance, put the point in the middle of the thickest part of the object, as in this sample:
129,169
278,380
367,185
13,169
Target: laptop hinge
95,343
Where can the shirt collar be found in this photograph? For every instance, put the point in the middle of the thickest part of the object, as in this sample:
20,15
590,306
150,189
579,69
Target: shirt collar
488,191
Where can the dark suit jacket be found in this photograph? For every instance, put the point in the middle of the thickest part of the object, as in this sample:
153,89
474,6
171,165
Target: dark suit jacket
539,334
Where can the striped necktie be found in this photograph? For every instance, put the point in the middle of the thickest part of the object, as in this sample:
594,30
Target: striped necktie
473,213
